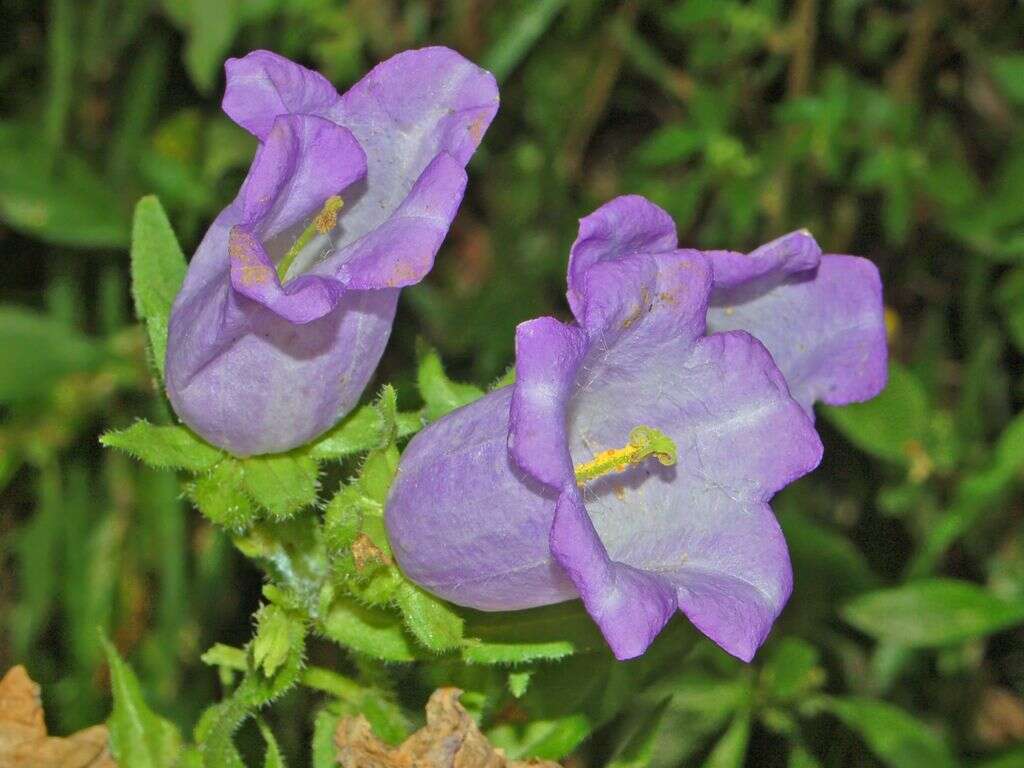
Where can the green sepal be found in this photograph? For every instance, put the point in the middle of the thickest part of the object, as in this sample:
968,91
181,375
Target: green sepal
164,447
371,631
434,623
440,394
219,497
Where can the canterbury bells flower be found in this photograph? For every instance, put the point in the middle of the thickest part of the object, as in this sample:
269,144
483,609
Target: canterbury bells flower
289,300
630,464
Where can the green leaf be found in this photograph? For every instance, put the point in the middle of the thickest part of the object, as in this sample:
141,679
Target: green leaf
1008,70
441,394
220,498
163,447
280,483
1007,295
791,669
158,269
548,739
892,425
138,737
638,749
210,30
671,144
377,474
1012,758
977,494
932,613
371,631
831,564
519,683
325,723
272,758
217,725
519,36
731,749
551,632
221,655
898,739
37,351
569,700
275,634
431,621
65,203
801,758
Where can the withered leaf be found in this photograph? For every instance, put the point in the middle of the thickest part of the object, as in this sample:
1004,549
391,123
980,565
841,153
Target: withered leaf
450,739
24,742
365,552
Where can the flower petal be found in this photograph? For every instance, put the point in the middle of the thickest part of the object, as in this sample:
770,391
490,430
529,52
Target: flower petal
248,380
548,355
304,299
733,576
699,523
467,524
825,328
787,255
401,251
263,85
404,113
617,230
630,606
303,161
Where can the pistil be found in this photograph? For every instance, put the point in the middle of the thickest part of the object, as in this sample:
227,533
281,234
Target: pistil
322,223
644,442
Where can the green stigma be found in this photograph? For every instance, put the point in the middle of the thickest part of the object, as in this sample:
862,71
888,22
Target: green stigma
643,443
322,223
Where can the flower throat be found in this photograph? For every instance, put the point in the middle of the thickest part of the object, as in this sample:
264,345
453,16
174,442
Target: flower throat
322,223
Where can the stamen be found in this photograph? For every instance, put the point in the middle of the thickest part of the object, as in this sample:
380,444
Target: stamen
643,443
322,223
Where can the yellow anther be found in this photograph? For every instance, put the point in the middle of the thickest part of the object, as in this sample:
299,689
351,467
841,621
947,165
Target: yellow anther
327,219
644,442
322,223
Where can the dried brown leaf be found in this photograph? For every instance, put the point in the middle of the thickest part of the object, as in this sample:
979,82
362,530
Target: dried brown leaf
450,739
24,742
1000,718
365,552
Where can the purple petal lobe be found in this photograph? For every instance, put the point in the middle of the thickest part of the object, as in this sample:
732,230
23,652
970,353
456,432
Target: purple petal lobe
787,255
548,355
617,230
253,275
253,382
735,578
825,327
303,161
406,112
401,251
263,85
630,606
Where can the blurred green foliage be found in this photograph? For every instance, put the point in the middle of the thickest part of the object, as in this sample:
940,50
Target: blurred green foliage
890,129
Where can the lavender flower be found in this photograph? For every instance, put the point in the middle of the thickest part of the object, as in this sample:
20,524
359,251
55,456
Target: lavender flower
289,300
821,317
630,464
